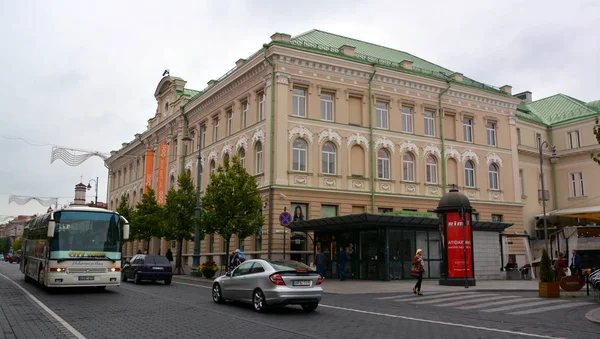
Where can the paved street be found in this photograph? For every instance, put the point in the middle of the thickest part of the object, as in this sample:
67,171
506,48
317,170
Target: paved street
185,310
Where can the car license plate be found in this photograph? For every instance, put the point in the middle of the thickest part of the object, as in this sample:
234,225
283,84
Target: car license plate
300,282
86,278
158,268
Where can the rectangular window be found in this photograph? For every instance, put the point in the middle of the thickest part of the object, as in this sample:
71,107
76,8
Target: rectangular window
491,133
258,239
522,180
497,217
382,210
328,211
244,114
299,102
538,140
518,136
202,136
261,106
468,129
407,119
573,140
429,124
356,107
216,130
474,216
326,106
211,243
229,122
381,115
576,184
241,243
259,159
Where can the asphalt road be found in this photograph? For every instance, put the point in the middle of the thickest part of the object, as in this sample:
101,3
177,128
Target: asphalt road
185,310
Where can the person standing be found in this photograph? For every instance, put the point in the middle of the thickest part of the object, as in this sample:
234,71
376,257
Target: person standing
575,263
342,264
169,255
417,263
320,262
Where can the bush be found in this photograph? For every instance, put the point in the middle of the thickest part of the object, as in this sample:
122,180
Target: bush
546,273
207,265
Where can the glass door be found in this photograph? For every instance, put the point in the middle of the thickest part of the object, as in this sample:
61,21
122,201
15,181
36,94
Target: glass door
370,255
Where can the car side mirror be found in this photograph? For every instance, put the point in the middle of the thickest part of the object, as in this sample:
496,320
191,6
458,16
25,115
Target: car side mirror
127,262
228,274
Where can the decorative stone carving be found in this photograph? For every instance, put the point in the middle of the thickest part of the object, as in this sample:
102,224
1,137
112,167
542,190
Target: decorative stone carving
470,155
512,120
496,196
357,184
227,150
409,146
301,132
471,194
385,187
242,142
433,150
300,179
259,135
357,139
329,182
493,158
433,190
189,164
201,160
330,135
410,188
385,142
283,78
172,172
212,155
452,152
258,183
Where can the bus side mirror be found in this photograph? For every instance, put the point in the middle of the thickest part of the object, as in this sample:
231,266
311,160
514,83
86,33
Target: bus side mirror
51,227
125,231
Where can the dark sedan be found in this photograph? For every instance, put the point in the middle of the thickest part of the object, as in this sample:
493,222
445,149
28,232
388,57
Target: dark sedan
147,267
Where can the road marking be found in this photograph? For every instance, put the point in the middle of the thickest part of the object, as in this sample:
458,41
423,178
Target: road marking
462,302
519,305
435,296
400,296
550,308
47,309
504,302
524,334
182,283
462,297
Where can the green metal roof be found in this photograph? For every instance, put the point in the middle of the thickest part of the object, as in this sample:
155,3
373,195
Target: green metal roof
557,109
189,93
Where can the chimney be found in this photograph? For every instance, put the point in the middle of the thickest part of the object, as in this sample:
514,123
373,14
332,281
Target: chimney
80,194
347,50
406,64
212,82
506,89
283,37
525,97
240,62
457,76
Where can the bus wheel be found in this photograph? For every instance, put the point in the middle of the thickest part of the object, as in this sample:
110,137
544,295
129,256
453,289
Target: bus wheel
41,277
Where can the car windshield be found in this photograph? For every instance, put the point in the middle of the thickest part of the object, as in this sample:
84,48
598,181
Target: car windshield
289,265
156,260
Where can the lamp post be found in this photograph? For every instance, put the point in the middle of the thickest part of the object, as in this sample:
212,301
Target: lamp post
196,254
89,187
553,159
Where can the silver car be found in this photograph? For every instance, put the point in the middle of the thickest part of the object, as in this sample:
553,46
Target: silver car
269,283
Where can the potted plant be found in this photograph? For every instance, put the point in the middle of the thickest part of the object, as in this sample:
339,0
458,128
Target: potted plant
208,269
548,288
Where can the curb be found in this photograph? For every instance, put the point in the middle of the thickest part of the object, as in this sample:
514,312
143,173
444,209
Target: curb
594,316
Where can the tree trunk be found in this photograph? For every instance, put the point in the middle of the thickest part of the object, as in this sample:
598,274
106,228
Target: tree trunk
227,240
178,267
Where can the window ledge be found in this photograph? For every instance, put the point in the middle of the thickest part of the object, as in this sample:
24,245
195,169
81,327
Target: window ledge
384,180
470,188
356,177
432,184
329,175
523,196
410,182
579,197
299,172
495,190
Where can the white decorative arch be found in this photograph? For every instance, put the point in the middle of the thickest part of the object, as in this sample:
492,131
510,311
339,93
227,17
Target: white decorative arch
172,172
357,139
241,143
433,150
385,142
470,155
212,155
259,135
227,150
493,158
189,164
409,146
330,135
301,132
201,160
453,153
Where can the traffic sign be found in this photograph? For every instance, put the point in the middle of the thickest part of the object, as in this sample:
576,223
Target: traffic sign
285,218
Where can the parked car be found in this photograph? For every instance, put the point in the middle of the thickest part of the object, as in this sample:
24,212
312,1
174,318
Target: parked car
147,267
268,283
14,257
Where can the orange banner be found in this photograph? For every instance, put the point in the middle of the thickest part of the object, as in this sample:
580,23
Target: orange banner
148,170
163,149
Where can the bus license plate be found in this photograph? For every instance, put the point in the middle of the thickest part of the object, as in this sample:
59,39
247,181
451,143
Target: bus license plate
86,278
301,283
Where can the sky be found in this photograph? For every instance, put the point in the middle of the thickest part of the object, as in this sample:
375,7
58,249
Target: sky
82,74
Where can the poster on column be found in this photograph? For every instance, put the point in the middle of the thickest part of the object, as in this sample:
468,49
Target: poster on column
148,170
457,236
163,149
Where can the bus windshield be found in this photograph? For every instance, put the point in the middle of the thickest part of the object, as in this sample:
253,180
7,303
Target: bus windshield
86,235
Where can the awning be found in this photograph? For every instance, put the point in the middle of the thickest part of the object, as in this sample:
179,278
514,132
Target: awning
591,213
367,221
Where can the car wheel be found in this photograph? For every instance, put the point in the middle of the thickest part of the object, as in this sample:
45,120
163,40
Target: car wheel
167,281
217,295
41,278
136,279
310,307
258,301
123,277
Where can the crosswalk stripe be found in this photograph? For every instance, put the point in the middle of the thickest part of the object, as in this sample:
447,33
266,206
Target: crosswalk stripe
550,308
405,296
521,305
441,300
503,302
435,296
462,302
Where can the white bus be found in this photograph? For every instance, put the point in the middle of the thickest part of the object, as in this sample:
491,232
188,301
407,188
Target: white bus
74,247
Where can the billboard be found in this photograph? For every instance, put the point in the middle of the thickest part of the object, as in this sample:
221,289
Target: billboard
148,170
457,236
163,150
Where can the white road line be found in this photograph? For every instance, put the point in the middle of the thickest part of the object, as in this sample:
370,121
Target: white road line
504,302
550,308
524,334
521,305
47,309
462,302
182,283
462,297
435,296
400,296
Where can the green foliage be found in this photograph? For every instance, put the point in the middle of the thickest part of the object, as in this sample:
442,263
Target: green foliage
4,245
124,210
146,222
179,211
546,273
596,156
17,244
232,202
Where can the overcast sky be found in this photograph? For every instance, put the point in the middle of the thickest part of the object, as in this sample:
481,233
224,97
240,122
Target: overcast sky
83,75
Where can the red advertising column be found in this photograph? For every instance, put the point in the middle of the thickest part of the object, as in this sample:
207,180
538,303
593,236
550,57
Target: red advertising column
458,236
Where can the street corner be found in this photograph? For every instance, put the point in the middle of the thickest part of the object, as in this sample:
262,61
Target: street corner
594,315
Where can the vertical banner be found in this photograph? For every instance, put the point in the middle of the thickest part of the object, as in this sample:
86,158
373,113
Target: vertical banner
148,170
163,149
457,236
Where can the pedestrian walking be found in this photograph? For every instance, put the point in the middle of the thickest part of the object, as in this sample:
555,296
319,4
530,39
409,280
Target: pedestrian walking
169,255
418,269
320,262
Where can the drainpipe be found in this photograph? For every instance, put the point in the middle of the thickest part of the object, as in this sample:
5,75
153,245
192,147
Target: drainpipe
553,167
271,138
371,143
443,150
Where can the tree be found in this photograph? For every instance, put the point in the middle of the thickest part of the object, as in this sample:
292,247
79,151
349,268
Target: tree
4,244
179,218
16,245
232,203
147,220
596,156
546,274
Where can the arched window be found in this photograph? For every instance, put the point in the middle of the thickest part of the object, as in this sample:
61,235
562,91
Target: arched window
408,167
212,166
383,164
172,182
493,174
299,155
226,158
242,155
431,170
259,157
328,158
469,174
189,172
134,197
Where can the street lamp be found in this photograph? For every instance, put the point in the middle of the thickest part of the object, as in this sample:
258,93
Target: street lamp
553,159
196,254
89,187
